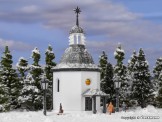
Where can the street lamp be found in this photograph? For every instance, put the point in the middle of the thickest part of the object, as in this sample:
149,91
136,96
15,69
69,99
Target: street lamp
117,86
44,84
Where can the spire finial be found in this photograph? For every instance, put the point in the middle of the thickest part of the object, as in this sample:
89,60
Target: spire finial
77,11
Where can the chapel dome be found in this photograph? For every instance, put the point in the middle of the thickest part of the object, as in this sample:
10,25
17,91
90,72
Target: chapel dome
76,56
76,29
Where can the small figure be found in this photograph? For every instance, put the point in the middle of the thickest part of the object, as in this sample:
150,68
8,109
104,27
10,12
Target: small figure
110,108
61,110
124,106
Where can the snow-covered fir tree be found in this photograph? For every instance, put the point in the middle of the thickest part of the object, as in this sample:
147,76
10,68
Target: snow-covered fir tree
142,88
159,95
156,72
22,67
130,75
36,72
9,78
29,94
4,97
130,68
120,74
50,56
103,63
107,84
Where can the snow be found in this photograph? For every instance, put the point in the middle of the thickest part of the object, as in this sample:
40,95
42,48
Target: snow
49,51
115,53
35,67
119,50
36,50
91,92
134,115
75,65
21,58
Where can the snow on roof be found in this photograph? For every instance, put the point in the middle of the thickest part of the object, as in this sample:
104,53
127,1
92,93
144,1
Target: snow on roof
94,92
75,65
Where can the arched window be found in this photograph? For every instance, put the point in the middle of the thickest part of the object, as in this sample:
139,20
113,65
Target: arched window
58,85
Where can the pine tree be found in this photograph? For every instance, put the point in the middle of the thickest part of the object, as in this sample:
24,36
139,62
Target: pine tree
9,78
4,97
159,95
22,67
142,89
50,56
36,72
156,71
120,74
103,63
130,75
29,94
130,67
107,84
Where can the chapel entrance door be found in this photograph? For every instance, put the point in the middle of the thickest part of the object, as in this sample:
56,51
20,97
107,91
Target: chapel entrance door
88,104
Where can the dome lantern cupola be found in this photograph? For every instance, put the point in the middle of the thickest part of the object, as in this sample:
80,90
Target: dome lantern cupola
76,33
76,55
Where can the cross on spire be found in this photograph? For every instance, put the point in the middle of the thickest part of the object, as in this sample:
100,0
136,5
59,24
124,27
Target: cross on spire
77,11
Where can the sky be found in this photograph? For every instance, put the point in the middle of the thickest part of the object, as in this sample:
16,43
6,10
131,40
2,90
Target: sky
26,24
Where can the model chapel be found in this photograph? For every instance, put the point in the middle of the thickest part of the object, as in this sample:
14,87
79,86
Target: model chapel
76,79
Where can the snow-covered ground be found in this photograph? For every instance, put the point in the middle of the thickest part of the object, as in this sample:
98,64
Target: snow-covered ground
138,115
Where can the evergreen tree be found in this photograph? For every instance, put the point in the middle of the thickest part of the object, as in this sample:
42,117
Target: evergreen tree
103,63
29,94
142,89
22,67
107,84
36,72
157,80
50,56
159,95
130,75
156,71
4,97
9,79
120,74
131,63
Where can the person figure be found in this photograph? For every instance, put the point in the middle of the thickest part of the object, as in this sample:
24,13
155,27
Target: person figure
110,108
124,106
61,110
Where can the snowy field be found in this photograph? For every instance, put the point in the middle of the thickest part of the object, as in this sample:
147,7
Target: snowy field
138,115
